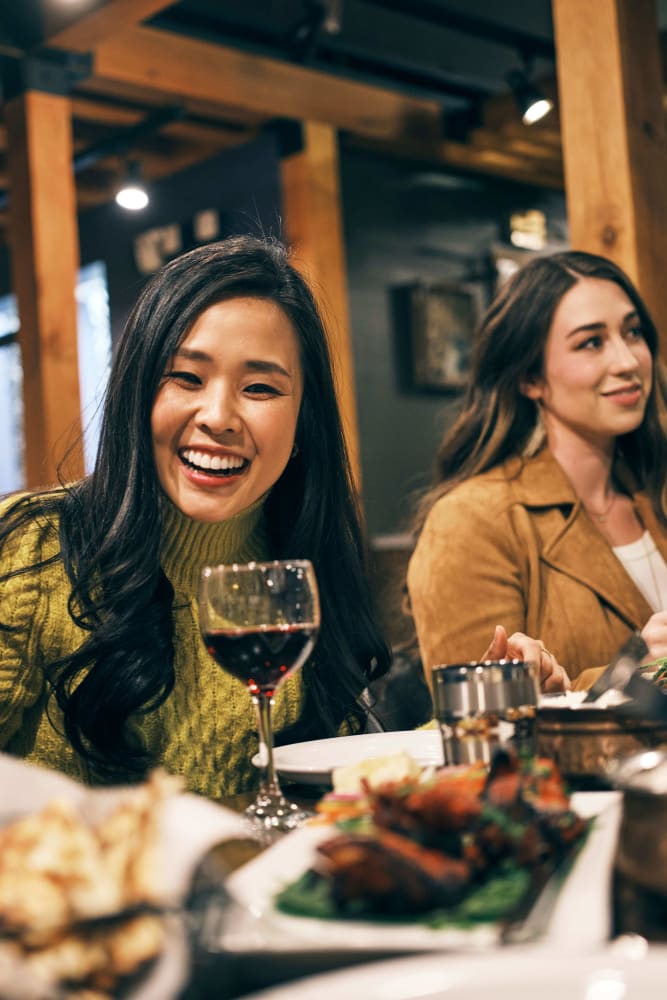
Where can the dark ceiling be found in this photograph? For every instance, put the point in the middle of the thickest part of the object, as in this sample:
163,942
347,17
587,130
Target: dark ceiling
451,51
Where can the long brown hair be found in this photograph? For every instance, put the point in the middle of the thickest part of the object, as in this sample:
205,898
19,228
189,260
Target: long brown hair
498,421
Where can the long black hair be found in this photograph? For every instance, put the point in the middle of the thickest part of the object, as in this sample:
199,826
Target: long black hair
110,522
498,421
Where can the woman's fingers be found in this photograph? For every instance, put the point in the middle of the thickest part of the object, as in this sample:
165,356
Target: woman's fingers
654,635
553,677
497,650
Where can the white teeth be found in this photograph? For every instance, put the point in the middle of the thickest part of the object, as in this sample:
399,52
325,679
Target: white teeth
216,462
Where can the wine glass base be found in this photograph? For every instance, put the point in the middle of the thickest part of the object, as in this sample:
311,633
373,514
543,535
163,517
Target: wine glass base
273,813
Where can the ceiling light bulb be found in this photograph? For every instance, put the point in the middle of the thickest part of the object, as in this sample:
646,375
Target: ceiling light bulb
132,194
538,109
530,100
132,197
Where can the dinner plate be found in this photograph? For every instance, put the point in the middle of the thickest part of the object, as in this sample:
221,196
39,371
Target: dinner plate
612,973
576,915
312,762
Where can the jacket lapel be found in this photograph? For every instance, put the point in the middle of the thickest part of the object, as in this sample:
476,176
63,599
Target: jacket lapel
570,542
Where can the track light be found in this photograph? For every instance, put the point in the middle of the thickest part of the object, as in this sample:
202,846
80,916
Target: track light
132,194
532,103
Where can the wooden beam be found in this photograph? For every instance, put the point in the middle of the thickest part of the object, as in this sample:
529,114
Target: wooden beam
44,259
93,27
494,161
610,82
187,69
314,229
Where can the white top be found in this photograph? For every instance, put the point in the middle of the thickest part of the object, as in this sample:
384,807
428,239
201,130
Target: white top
648,569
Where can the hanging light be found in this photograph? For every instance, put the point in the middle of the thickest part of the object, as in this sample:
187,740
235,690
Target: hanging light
132,194
531,101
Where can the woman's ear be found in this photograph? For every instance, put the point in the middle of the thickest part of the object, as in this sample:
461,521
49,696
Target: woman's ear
532,387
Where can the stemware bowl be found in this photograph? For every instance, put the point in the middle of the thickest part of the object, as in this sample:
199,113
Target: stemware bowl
260,622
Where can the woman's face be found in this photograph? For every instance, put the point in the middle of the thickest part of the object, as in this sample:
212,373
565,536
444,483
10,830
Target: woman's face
225,415
597,366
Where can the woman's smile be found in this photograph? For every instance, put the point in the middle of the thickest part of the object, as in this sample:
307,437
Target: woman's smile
204,467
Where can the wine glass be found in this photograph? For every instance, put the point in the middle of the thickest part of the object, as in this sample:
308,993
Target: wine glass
260,622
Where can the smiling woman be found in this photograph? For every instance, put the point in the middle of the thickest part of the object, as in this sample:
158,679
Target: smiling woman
221,442
550,510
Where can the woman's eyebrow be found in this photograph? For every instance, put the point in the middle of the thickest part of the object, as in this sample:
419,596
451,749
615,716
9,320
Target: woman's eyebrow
190,355
270,367
253,365
588,327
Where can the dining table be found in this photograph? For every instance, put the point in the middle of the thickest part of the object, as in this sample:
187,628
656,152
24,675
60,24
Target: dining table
221,975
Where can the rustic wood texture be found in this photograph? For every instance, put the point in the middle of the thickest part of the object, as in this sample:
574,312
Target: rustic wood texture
192,70
82,31
44,245
613,128
314,230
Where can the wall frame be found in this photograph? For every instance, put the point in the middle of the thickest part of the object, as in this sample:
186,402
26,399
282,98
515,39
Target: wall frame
435,324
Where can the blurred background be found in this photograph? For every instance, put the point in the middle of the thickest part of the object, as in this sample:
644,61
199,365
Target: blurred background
390,142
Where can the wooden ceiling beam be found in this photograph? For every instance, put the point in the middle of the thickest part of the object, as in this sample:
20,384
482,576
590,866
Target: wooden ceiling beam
93,27
189,70
461,156
520,145
106,115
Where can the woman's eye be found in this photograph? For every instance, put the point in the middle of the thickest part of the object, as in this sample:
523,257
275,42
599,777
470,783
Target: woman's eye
262,389
636,333
185,378
591,344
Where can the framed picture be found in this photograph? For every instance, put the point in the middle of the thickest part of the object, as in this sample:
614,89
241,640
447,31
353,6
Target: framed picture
435,324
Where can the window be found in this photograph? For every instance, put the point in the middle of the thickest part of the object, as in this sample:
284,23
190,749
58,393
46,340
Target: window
94,350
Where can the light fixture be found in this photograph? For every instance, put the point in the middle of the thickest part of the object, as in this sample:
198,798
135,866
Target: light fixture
132,194
532,102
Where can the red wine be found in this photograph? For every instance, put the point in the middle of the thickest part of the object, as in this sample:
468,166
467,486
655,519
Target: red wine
262,658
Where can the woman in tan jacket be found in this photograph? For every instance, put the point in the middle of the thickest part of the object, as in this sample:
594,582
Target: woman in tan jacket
550,513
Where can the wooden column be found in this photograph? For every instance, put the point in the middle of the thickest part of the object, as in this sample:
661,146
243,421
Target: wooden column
314,229
614,142
44,255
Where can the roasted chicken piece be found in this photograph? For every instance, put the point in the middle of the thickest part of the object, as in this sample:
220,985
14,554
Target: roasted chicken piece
388,873
435,814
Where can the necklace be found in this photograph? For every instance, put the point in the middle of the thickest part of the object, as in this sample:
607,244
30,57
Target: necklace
603,514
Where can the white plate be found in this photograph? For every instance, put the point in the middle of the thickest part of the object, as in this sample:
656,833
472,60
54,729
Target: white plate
312,762
579,918
517,974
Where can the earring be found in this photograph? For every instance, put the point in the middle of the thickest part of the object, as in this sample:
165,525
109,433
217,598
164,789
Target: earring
295,450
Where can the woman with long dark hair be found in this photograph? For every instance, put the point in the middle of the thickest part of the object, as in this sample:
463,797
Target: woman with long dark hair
550,508
221,441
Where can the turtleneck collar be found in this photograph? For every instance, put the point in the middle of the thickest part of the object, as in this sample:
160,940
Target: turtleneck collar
189,545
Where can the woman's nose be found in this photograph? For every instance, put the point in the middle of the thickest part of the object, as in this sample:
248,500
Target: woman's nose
623,358
218,413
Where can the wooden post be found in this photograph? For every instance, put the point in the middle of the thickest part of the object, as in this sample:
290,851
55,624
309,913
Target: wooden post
613,129
44,255
314,229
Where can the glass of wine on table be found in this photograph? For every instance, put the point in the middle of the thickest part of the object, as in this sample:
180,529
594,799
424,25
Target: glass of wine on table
260,621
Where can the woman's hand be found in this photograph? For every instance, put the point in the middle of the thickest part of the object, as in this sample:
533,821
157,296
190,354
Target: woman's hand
654,635
518,646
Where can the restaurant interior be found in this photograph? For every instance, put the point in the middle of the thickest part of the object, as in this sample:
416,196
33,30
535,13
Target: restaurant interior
390,144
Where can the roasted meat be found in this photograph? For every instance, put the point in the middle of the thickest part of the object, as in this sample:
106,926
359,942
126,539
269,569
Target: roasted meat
388,873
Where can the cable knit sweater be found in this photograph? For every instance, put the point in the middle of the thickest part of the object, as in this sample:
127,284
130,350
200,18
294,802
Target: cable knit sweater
206,728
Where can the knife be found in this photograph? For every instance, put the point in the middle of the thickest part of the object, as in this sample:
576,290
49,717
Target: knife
622,666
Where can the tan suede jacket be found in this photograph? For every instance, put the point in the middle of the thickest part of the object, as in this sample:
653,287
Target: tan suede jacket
515,547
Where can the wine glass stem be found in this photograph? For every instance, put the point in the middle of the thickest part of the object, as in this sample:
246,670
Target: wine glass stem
264,705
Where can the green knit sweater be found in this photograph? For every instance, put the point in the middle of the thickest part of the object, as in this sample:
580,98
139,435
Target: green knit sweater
206,729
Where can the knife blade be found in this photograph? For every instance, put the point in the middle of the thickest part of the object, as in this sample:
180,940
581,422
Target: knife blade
621,667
